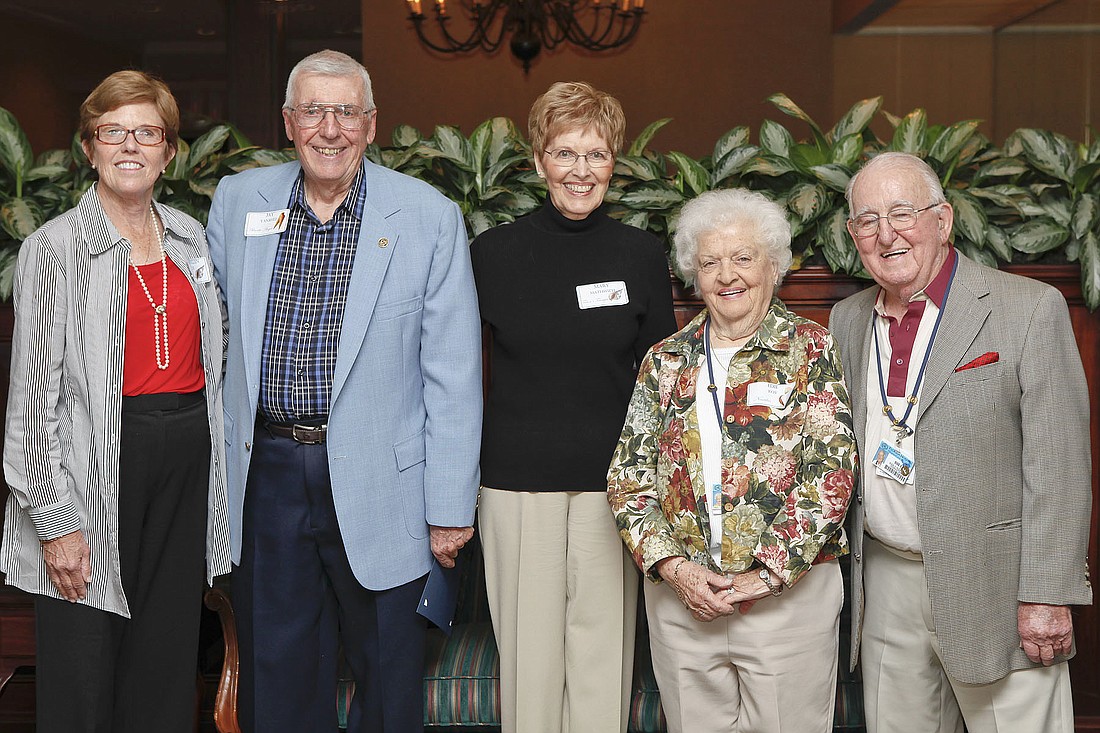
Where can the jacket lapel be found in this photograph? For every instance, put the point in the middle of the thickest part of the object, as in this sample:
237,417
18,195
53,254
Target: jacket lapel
378,237
963,319
259,264
858,341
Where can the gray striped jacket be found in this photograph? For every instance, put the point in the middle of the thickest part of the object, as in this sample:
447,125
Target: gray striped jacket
61,439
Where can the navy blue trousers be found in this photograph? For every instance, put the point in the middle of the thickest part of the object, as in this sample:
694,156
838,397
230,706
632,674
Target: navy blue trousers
298,604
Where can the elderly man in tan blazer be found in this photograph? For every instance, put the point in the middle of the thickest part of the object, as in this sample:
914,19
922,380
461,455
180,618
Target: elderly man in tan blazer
971,524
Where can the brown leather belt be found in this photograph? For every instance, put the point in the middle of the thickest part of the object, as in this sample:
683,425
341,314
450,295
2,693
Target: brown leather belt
304,434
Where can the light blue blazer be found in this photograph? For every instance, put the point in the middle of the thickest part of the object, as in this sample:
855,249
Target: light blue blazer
404,427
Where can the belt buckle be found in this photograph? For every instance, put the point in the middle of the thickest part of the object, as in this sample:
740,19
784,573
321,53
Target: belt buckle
308,434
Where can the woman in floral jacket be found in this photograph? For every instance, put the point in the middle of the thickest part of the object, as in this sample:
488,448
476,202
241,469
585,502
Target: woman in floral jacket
730,483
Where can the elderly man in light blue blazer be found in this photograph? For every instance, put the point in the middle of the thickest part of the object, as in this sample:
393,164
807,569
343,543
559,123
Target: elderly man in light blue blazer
971,525
353,411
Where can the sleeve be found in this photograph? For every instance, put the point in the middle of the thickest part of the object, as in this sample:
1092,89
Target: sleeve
812,518
659,320
32,446
1057,467
215,239
450,362
632,478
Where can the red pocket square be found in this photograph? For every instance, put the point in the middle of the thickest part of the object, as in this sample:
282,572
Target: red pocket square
988,357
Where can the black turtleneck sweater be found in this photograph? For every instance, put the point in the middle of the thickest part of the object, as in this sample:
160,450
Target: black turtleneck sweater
561,376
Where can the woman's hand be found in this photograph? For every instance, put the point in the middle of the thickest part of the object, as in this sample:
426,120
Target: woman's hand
68,563
747,588
705,593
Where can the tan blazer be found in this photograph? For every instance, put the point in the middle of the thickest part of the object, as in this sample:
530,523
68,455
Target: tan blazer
1003,487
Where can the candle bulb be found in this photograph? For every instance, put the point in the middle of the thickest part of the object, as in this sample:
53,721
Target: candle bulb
441,6
414,7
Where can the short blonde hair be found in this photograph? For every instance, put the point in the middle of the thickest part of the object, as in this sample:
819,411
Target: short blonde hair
130,87
569,105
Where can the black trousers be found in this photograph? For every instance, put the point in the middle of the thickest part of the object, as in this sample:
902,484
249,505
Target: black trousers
298,603
98,672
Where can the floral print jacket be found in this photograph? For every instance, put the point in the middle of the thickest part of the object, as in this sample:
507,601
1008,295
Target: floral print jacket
787,473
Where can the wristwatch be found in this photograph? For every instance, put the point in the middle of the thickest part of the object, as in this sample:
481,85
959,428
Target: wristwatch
776,589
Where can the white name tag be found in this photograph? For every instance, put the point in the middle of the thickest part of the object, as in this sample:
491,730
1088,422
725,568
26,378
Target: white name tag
766,394
601,295
200,270
262,223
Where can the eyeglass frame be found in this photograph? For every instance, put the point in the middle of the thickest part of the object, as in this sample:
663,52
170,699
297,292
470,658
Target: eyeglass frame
879,217
129,132
552,153
332,107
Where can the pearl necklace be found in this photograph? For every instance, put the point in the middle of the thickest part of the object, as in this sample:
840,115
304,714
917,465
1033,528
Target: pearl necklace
160,312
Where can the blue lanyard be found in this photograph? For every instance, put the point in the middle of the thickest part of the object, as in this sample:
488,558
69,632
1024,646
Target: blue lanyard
712,387
902,425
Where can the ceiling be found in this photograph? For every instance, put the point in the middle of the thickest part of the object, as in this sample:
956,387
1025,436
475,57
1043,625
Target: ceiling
171,21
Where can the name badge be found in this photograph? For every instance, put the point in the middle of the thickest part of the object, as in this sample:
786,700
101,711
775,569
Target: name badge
767,394
262,223
200,270
601,295
893,463
715,500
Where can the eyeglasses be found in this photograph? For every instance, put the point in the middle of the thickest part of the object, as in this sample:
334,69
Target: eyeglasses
147,135
348,116
566,158
901,219
711,265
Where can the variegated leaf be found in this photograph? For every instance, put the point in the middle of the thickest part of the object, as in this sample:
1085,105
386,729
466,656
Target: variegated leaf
848,150
807,200
970,219
478,221
1086,215
996,198
405,136
639,219
20,217
1000,167
207,145
1090,270
642,141
637,167
788,107
769,165
651,197
1048,152
910,133
15,150
1038,236
694,175
997,243
775,138
49,172
454,146
1056,207
8,266
952,140
856,119
832,176
834,242
479,144
1086,176
975,253
735,138
733,162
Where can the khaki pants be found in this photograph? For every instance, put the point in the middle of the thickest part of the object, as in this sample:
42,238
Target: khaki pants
771,670
905,688
563,595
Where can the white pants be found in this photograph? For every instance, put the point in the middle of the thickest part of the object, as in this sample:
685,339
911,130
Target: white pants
905,688
563,594
771,670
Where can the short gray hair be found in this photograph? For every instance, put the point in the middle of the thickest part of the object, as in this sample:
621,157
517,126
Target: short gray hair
733,208
897,161
329,63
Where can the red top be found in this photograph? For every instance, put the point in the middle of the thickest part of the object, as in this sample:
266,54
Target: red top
140,374
903,334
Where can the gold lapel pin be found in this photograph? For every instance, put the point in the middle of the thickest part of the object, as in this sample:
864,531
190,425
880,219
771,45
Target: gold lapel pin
383,242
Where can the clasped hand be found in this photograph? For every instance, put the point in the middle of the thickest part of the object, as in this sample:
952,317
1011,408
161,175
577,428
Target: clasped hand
708,595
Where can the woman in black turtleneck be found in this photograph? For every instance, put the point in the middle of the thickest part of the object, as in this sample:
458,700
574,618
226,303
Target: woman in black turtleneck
572,300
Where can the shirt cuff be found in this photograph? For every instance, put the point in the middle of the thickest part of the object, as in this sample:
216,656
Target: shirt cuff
54,520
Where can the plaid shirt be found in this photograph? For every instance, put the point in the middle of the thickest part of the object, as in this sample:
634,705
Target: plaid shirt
305,306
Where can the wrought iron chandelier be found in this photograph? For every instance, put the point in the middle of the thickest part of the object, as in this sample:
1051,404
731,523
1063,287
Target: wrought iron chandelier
594,25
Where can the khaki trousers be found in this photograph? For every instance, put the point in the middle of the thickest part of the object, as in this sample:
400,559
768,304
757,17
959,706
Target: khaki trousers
563,596
905,688
771,670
